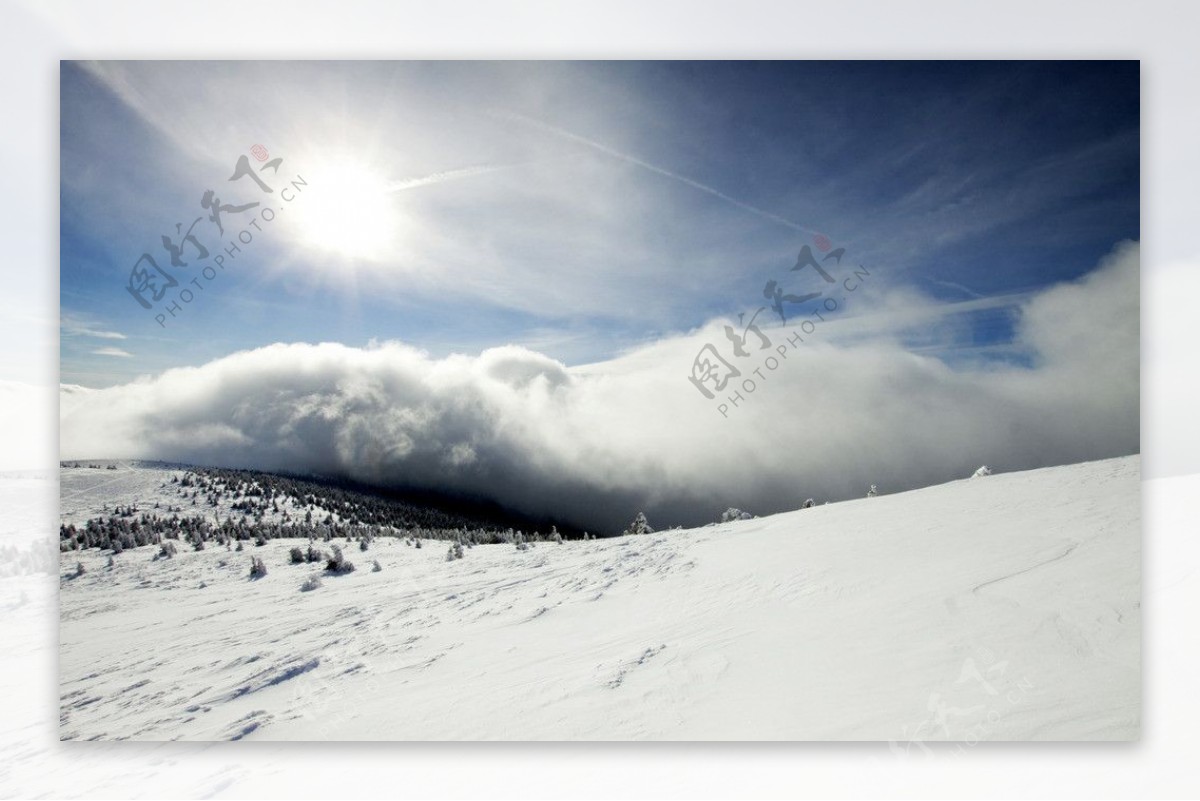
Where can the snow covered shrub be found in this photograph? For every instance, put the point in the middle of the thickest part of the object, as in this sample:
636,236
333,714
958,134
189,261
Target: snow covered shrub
416,542
519,541
554,535
338,564
639,525
810,503
455,552
311,583
257,568
314,555
363,544
733,513
79,570
167,550
872,492
376,567
239,548
296,556
981,472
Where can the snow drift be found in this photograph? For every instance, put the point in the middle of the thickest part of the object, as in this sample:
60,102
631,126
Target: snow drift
1003,608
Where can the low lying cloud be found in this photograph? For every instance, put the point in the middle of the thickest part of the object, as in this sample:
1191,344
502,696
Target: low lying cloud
592,445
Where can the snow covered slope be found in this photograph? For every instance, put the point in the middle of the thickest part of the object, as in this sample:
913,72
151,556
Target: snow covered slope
997,608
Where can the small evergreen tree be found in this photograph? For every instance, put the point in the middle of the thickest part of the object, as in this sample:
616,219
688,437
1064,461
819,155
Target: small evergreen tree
639,525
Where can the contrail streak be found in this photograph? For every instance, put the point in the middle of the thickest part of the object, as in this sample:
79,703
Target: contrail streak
652,168
447,175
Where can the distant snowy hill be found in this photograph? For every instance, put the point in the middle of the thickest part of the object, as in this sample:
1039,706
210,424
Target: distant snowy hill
1005,607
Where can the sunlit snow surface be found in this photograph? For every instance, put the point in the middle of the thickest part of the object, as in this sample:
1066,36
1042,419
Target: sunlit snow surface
1004,607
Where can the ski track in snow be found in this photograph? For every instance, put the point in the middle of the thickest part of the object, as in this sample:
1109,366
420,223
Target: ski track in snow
926,611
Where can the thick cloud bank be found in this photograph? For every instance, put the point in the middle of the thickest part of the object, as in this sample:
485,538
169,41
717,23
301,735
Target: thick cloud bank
593,445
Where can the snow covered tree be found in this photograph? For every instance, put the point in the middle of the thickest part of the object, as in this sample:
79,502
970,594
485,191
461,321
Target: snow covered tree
810,503
338,564
982,471
871,493
639,525
257,568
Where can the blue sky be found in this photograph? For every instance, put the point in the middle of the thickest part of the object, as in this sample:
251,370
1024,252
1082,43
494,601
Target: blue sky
579,209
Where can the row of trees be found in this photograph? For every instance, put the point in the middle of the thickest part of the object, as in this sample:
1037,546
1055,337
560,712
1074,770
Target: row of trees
258,495
119,532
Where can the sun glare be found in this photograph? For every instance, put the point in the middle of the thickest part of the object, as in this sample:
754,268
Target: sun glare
348,211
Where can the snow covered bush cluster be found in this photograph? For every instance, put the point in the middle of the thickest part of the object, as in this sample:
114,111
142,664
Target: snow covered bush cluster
733,513
338,564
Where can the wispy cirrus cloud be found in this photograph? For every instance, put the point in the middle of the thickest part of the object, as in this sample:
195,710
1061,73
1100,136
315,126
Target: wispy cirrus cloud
118,352
72,325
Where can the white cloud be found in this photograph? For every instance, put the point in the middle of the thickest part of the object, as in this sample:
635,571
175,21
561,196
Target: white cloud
124,354
77,326
594,444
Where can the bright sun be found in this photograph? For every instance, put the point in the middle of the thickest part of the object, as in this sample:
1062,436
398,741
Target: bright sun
347,211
